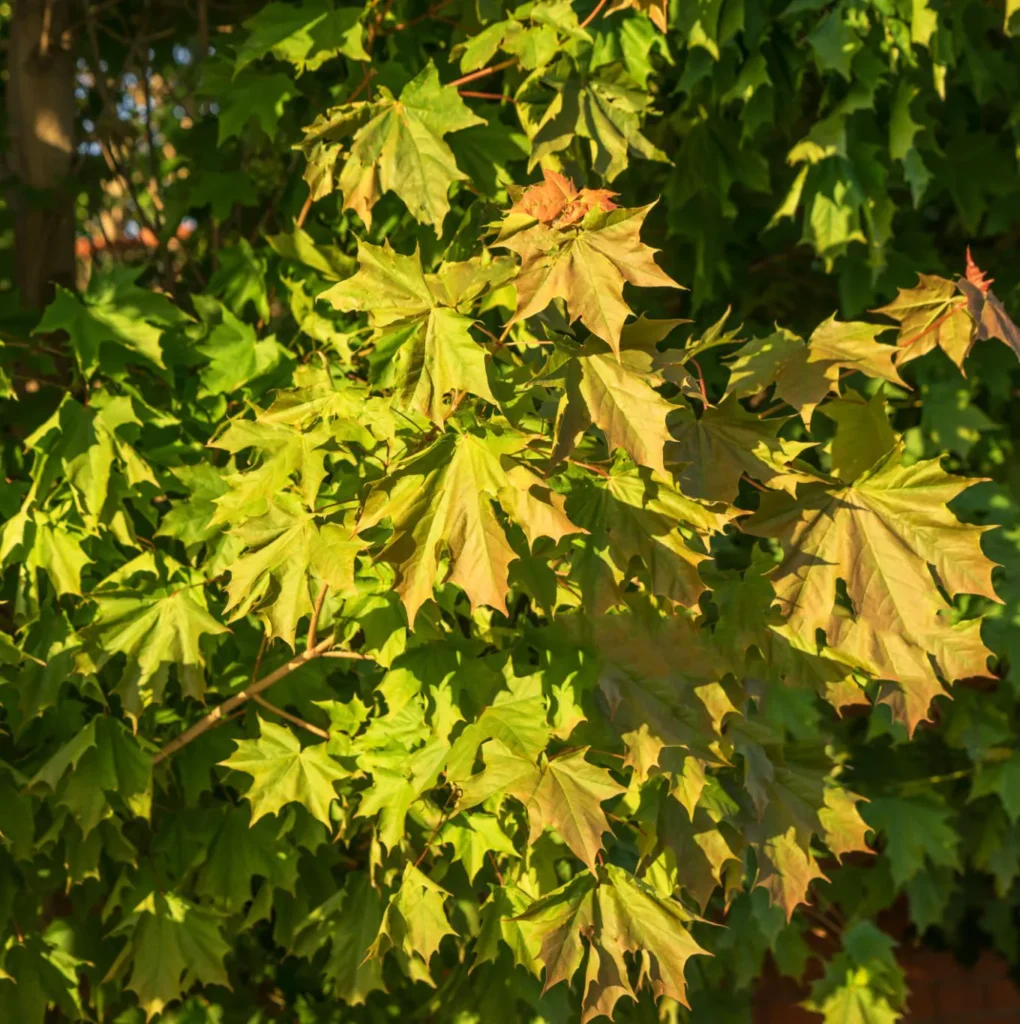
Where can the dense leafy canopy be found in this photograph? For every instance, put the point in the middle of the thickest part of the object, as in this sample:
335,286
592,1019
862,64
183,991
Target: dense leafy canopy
407,609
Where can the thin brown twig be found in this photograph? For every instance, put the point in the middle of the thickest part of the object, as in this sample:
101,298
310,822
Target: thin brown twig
771,409
701,382
300,221
258,657
351,655
435,831
754,483
368,76
501,97
314,729
588,465
483,73
495,867
594,14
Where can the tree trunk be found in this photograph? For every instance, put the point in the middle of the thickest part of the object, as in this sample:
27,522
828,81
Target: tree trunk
41,119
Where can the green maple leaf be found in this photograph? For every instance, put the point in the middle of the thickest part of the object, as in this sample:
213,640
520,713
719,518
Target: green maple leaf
399,778
605,107
879,535
712,452
283,773
916,831
103,759
155,629
286,450
396,145
442,499
863,433
518,718
586,267
352,975
619,397
38,974
307,35
473,838
565,793
254,96
415,921
172,944
863,984
623,915
287,551
46,542
237,853
236,356
433,351
780,359
855,1002
632,515
114,312
1003,779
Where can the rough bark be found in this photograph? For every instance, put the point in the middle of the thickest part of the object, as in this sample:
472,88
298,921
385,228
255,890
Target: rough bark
41,119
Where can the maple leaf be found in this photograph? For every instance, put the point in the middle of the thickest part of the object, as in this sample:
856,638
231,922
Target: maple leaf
565,793
618,399
863,433
415,921
863,984
780,359
929,314
155,629
102,761
879,536
586,267
396,145
441,500
286,552
604,106
712,452
985,308
631,514
115,311
518,718
283,773
622,915
474,838
853,345
172,943
352,975
660,681
434,352
307,35
556,201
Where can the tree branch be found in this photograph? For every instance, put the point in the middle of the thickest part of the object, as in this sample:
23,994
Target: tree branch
594,14
314,729
218,712
484,73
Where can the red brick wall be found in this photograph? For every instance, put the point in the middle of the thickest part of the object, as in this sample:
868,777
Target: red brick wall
942,991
